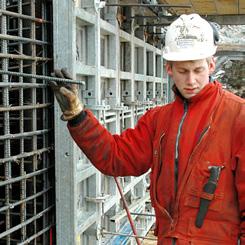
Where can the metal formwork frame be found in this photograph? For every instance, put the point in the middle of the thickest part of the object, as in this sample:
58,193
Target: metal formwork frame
26,166
91,44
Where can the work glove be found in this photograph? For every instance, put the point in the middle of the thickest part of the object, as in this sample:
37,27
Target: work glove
66,95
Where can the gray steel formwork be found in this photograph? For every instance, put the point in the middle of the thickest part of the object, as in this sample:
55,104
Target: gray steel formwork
27,204
124,76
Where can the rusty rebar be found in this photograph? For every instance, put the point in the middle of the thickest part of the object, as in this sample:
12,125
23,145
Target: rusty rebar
22,16
46,78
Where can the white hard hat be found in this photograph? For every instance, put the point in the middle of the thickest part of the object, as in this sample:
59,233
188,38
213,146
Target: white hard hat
189,37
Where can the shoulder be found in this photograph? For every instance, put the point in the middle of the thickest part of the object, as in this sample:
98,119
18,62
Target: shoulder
234,105
158,110
233,98
155,116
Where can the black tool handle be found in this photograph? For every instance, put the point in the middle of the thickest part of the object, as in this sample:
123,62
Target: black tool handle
208,188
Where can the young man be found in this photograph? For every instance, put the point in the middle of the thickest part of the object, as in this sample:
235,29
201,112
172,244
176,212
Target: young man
195,146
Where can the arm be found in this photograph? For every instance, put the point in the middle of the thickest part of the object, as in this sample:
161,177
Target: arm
127,154
119,155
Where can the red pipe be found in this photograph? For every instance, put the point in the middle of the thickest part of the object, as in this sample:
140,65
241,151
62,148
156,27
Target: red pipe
51,236
127,211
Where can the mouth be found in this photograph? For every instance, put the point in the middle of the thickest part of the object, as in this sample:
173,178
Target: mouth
189,90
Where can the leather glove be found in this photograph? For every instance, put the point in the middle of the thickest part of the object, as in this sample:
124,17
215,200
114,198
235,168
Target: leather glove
66,95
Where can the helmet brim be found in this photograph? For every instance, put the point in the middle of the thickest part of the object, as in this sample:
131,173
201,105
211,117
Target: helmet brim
189,55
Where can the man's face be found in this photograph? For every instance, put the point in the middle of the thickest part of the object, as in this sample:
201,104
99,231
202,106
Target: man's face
190,77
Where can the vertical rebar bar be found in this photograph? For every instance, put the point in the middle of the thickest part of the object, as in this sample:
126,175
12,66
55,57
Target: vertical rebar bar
7,170
34,111
21,125
46,123
6,119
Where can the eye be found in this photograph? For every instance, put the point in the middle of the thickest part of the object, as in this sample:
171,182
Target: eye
182,71
198,70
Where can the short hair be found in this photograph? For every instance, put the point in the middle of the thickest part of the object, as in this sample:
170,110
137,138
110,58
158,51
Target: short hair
170,62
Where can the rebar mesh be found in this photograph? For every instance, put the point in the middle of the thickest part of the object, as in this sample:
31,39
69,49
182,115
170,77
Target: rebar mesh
26,165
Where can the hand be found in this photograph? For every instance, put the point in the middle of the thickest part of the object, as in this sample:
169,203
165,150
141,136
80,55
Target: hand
66,95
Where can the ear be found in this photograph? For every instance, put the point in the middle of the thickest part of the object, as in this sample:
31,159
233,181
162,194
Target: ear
169,69
211,66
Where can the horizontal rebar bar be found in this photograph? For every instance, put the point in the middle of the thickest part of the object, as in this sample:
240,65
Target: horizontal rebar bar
16,5
12,205
47,78
22,39
22,85
22,16
105,232
25,107
23,155
23,29
17,227
23,177
25,134
14,67
23,57
149,5
27,241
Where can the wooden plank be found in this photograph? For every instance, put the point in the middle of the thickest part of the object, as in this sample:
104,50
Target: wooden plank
209,7
231,47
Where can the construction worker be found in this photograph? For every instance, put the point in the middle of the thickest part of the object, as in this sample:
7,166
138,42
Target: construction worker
195,146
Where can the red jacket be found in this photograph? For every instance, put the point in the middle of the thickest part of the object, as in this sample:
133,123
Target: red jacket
179,141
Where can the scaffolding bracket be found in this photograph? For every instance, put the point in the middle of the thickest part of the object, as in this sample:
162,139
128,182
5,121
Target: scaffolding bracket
98,199
99,107
121,107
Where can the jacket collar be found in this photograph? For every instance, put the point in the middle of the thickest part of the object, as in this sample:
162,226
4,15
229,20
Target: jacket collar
205,93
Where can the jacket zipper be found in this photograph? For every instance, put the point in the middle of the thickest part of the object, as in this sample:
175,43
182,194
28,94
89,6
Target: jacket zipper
160,152
205,131
176,160
163,210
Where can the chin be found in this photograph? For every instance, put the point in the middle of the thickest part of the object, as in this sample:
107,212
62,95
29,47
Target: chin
188,96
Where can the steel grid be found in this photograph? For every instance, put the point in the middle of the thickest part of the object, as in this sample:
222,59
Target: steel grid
26,170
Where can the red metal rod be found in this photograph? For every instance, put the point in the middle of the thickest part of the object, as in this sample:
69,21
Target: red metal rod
51,236
125,205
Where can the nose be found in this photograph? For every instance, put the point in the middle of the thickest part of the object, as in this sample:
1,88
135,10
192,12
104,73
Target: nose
190,78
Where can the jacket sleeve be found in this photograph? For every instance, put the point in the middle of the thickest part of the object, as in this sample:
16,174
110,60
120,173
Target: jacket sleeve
239,154
118,155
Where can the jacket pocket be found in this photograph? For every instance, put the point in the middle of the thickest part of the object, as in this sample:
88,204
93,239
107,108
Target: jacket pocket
195,186
216,232
193,199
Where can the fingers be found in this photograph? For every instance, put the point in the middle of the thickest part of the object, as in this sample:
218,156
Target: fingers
54,85
67,93
58,73
63,74
66,74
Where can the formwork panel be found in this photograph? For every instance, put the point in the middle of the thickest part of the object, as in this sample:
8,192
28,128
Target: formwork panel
123,77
